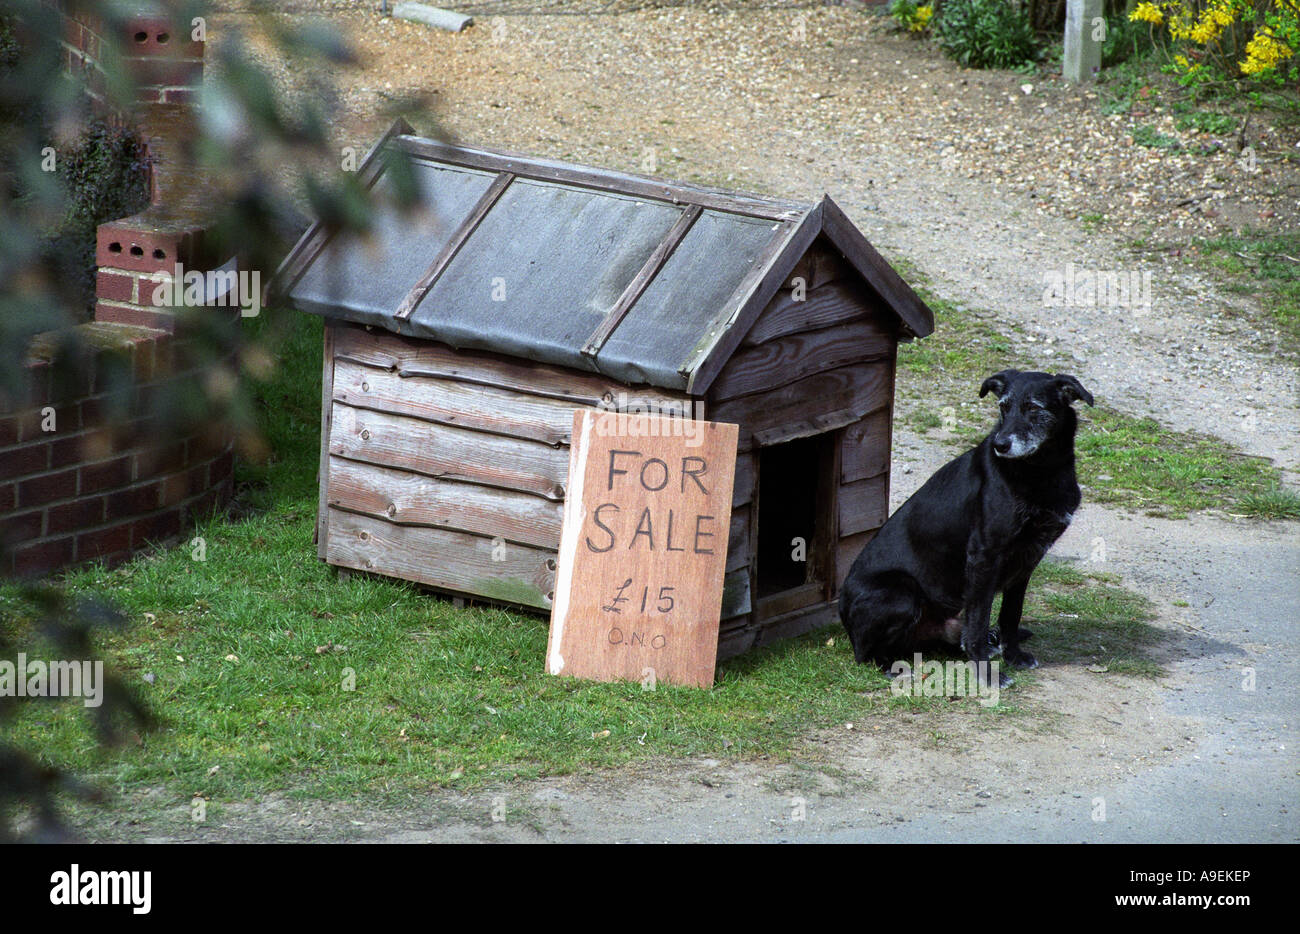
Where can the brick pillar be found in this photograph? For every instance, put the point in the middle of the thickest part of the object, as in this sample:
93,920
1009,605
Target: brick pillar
137,254
81,479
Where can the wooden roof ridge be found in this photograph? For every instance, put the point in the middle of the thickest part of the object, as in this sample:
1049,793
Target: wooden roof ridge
582,176
767,275
874,268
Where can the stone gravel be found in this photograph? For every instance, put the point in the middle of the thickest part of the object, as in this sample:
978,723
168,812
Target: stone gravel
989,183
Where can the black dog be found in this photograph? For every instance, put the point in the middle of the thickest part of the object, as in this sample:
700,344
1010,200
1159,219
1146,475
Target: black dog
979,526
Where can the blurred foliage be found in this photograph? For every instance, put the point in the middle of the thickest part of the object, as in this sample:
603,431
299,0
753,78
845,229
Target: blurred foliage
1125,40
56,627
986,33
252,152
912,17
103,173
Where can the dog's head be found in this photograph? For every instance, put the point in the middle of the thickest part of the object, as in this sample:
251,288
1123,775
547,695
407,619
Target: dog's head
1035,410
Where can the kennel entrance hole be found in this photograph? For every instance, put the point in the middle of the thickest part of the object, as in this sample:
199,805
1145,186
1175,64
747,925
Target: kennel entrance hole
795,503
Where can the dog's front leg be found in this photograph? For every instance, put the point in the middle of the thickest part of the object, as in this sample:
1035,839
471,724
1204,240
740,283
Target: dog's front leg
1013,605
977,605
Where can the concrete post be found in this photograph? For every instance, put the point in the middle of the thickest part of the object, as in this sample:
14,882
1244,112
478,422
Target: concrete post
1085,31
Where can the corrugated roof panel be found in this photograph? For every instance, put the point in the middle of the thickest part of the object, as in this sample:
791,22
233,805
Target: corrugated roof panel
369,277
541,271
690,291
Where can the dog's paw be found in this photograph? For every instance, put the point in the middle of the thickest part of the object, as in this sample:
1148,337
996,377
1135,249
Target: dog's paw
1022,660
1005,680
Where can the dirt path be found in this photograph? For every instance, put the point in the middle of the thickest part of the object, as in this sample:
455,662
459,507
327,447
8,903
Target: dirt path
981,186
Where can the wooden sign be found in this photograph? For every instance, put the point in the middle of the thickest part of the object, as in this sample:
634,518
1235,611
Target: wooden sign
643,549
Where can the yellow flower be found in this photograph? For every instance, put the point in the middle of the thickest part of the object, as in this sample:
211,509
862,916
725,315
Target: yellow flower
921,21
1147,13
1263,52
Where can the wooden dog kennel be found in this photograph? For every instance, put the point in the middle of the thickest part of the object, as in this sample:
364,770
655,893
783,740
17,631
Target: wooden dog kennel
459,339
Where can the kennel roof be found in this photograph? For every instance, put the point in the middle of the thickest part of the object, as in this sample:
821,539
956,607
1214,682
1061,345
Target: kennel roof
640,279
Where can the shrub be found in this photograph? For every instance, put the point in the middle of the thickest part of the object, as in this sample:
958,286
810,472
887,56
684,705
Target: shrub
915,19
1125,39
986,33
1217,39
103,173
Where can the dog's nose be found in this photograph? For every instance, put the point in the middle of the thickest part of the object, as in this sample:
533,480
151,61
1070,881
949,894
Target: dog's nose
1002,445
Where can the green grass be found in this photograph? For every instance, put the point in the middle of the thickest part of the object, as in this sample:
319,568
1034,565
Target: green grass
1151,138
1087,619
1136,462
1206,122
1274,503
246,658
1126,86
1125,460
1267,265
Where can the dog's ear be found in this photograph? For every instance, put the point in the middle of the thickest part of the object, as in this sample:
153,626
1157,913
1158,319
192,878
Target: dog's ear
1071,389
997,383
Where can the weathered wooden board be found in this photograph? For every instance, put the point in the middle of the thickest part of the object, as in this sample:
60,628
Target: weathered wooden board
410,357
787,601
864,448
736,636
847,550
736,600
864,504
837,303
738,540
820,265
859,388
448,453
404,498
796,623
634,598
323,471
785,360
742,489
819,423
743,633
444,559
451,402
884,279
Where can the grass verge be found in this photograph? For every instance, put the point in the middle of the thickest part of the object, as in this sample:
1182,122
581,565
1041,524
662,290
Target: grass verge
1266,265
1125,460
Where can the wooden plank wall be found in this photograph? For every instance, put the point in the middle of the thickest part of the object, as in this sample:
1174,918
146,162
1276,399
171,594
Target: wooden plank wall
449,468
823,364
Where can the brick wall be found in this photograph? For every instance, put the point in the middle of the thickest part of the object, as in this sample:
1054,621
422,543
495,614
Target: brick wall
82,474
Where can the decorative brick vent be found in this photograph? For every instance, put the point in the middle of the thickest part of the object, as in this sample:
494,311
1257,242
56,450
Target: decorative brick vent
82,475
